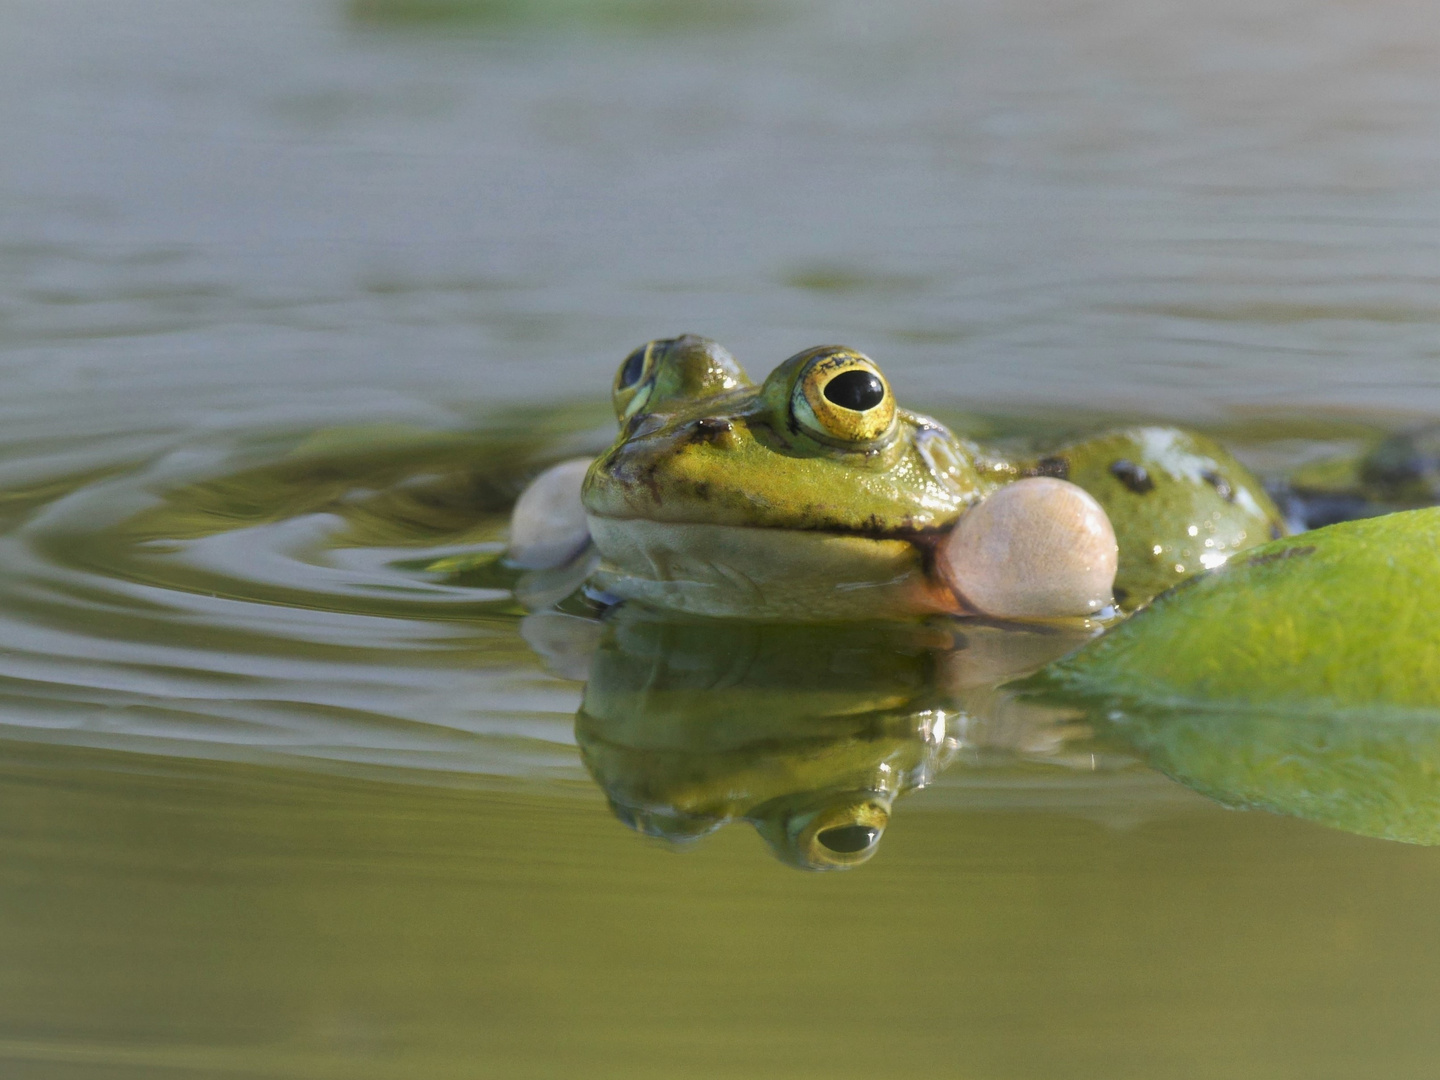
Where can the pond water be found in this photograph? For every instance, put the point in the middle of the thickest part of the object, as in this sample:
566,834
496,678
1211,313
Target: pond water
294,296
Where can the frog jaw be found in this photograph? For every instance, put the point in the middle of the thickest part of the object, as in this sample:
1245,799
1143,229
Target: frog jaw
755,572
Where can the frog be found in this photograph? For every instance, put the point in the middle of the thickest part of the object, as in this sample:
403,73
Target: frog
809,732
1180,504
813,495
1382,471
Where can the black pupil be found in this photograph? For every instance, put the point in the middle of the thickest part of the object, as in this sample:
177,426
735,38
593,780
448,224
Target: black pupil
857,390
630,372
848,839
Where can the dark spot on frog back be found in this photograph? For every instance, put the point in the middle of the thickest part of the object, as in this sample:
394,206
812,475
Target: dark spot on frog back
1135,477
709,428
1220,484
1055,465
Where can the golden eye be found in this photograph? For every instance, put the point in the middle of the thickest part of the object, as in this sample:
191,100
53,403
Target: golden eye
841,836
632,382
841,396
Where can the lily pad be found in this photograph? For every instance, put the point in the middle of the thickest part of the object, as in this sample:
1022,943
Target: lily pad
1302,677
1345,616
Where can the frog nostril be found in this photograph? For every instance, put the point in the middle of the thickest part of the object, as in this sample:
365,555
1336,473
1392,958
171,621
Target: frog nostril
710,427
1133,476
641,425
848,839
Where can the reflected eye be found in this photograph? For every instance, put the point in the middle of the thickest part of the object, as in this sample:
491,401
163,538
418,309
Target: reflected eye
632,387
842,397
848,839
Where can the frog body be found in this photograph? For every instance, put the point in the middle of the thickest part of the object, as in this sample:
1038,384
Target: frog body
814,496
1179,503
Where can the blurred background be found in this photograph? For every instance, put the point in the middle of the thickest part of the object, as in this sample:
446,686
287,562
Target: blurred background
295,293
397,206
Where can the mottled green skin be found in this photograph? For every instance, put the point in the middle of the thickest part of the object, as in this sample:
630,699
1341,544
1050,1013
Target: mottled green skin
670,464
710,448
690,724
1191,507
1303,677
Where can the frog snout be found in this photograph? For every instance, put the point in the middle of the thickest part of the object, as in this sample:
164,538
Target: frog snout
665,824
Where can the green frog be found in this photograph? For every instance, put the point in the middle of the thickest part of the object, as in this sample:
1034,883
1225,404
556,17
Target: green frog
809,732
813,495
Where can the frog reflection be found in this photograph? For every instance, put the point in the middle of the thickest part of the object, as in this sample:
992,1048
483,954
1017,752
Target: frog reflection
809,732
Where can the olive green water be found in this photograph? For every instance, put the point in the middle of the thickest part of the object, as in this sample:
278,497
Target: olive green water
293,296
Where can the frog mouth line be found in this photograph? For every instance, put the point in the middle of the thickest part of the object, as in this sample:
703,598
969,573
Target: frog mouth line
925,537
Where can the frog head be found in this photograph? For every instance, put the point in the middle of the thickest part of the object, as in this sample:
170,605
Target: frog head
812,494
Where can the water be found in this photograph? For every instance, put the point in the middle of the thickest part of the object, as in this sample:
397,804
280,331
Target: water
294,295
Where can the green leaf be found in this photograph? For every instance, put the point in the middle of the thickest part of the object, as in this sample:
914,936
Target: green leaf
1302,677
1343,616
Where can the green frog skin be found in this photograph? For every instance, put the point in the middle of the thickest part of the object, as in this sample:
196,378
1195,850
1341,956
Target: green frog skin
814,496
1178,502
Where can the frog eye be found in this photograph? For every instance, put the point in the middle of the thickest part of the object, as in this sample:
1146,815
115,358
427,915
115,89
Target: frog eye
828,831
632,382
841,396
631,370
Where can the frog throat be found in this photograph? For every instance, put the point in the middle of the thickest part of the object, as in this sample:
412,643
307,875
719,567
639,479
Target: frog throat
710,569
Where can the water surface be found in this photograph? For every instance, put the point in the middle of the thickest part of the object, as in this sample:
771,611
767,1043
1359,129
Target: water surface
293,296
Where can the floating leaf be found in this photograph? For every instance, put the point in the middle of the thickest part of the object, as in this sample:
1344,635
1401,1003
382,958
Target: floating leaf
1303,677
